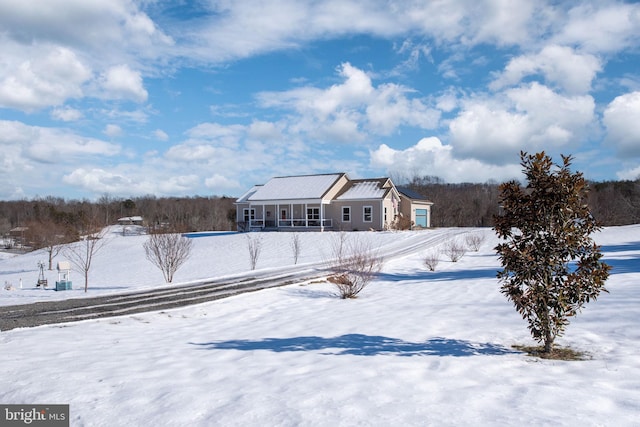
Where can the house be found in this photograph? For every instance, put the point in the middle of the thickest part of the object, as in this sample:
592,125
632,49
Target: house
130,220
326,202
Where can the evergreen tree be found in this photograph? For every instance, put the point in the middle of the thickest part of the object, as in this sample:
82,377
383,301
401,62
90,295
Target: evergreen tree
552,267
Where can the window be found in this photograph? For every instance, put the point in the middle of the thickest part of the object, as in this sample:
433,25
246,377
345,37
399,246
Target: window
385,214
313,213
346,214
367,214
249,214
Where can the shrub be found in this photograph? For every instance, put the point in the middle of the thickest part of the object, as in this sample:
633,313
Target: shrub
354,266
474,241
431,260
454,250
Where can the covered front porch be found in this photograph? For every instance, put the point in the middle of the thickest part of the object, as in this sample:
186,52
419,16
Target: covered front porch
287,216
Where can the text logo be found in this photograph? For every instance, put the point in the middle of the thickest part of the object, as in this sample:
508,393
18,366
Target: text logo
34,415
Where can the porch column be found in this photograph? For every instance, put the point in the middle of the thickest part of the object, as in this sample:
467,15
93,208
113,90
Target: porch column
321,216
264,218
291,214
306,216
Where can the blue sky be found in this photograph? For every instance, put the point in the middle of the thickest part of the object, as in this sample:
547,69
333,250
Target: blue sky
185,98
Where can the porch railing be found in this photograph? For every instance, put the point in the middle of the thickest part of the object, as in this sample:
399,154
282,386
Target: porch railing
306,223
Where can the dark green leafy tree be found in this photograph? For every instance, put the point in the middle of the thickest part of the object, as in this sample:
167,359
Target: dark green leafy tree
552,267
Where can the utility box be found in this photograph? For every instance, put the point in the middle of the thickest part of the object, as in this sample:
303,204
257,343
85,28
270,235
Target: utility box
64,274
63,285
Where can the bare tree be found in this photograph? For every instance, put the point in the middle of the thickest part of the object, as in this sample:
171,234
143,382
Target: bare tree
50,236
295,247
168,251
354,266
255,245
454,250
81,253
431,260
474,241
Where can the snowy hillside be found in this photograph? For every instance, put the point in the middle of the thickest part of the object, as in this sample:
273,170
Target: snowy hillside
416,348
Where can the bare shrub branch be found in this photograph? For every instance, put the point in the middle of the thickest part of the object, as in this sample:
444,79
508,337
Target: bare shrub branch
474,241
431,260
254,245
454,250
295,247
354,266
168,251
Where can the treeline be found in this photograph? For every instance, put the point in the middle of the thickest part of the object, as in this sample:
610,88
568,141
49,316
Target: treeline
455,205
181,214
474,205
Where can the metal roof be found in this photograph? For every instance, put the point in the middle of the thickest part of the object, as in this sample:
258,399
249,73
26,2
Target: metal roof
295,187
364,189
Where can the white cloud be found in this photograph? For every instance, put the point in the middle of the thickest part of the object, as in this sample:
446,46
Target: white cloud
529,118
56,50
501,22
429,157
286,24
121,82
601,27
40,156
631,174
192,153
66,114
160,135
415,53
559,65
130,180
622,119
112,130
53,145
219,182
117,29
391,108
31,84
263,130
347,111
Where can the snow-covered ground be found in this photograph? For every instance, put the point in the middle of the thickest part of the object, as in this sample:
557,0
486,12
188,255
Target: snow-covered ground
416,348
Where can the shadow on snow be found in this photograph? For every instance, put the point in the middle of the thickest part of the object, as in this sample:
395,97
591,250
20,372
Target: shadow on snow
488,273
623,265
362,345
624,247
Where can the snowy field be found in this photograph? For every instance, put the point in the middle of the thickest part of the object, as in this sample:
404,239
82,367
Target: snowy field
417,348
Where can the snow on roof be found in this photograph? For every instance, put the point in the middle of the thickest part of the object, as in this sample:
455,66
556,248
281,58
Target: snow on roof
130,218
364,189
245,197
295,187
